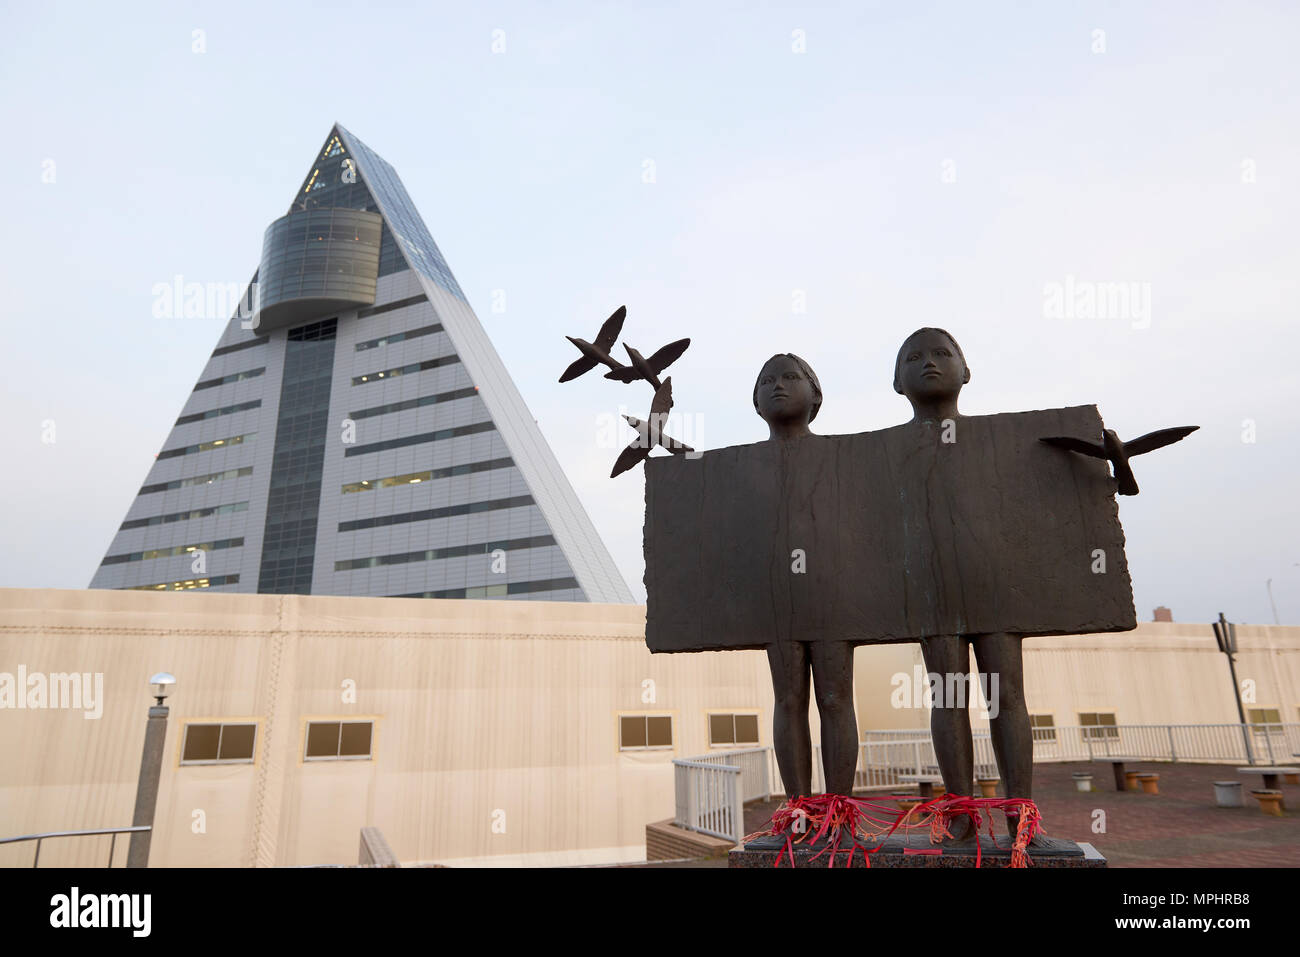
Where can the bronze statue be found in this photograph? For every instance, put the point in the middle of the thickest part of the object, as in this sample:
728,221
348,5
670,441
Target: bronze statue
788,396
930,371
949,530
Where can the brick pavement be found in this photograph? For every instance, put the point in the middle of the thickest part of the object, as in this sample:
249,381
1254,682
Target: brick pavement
1179,827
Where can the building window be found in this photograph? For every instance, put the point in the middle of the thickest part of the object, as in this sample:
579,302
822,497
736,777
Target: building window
389,307
406,369
1261,718
410,478
404,441
1044,728
185,516
207,446
227,379
453,551
169,552
733,729
645,732
224,410
247,344
429,514
415,478
187,584
339,740
417,403
219,744
513,588
1096,724
197,480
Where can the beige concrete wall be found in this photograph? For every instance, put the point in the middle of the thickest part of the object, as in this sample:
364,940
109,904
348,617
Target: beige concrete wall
480,707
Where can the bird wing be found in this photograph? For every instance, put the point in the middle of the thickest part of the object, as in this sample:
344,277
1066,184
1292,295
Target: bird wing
610,330
1159,439
628,458
578,367
642,431
623,374
669,354
1081,446
663,400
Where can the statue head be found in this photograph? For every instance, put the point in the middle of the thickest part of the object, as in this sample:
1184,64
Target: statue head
930,366
787,391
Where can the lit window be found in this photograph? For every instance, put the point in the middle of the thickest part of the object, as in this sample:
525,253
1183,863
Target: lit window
187,584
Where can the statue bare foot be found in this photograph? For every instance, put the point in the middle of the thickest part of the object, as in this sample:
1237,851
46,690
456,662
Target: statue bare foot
962,829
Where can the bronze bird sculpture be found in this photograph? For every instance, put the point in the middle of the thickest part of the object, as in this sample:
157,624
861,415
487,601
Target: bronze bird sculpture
1118,453
595,353
650,434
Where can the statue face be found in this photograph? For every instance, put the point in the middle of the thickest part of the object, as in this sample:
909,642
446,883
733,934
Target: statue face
784,392
930,367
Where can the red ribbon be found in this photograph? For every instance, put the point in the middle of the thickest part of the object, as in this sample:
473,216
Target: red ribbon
823,813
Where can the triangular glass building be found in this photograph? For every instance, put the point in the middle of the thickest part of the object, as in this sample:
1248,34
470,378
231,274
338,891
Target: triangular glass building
358,434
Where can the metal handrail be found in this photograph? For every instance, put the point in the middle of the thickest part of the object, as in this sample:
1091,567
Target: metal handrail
883,754
115,831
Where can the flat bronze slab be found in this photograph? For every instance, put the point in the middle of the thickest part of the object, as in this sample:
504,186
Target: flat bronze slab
915,850
886,536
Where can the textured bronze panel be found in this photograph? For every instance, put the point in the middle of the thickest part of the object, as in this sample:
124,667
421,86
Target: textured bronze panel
903,536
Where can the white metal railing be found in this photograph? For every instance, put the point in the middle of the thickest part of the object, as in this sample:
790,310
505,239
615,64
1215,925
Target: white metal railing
708,798
712,789
890,753
756,770
112,844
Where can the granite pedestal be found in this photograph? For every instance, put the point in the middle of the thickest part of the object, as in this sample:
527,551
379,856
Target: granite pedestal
915,850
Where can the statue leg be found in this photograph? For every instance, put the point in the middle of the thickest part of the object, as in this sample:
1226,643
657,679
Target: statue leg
999,659
1013,743
790,736
832,669
950,725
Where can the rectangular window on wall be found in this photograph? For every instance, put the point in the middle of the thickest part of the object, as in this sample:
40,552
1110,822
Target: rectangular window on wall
1098,724
645,732
1044,728
218,744
338,740
737,729
1260,720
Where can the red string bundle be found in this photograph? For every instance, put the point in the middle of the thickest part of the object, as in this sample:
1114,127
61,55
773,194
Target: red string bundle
857,822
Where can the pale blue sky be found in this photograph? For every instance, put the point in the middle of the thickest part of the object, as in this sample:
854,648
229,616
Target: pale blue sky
775,171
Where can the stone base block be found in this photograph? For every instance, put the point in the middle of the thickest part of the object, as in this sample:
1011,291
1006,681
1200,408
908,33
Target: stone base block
665,841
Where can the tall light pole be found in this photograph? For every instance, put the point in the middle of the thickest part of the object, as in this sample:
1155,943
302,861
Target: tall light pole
1268,583
1225,633
146,791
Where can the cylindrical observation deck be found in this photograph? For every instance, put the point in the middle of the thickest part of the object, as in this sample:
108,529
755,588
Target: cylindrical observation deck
315,262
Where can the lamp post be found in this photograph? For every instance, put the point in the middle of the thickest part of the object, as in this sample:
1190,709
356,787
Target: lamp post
146,791
1225,633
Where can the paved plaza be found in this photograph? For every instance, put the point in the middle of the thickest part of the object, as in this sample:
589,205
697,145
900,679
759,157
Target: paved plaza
1179,827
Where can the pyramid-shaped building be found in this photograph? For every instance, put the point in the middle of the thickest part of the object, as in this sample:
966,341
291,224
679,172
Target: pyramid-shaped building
357,434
